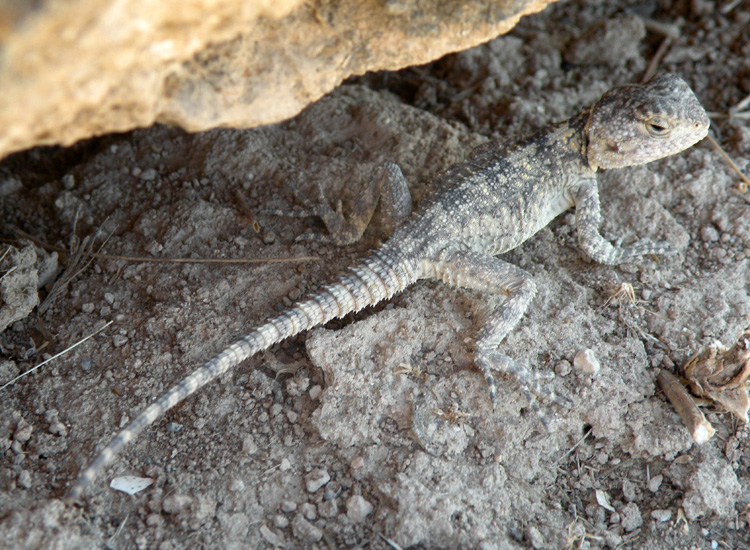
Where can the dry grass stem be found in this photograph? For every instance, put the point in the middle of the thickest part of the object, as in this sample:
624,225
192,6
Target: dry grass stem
63,352
745,185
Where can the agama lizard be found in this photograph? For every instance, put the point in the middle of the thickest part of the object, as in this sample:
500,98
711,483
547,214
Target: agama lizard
490,204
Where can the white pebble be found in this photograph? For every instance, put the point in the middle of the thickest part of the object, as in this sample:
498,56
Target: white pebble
586,362
316,479
357,508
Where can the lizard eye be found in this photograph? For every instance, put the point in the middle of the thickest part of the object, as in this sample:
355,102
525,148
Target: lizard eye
657,126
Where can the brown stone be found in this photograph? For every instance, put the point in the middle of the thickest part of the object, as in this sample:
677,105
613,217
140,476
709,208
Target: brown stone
75,69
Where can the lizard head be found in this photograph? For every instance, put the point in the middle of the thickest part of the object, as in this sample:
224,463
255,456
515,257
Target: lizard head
637,123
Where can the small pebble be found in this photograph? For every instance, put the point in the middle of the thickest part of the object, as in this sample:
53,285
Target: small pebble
248,445
316,479
631,518
175,504
662,516
148,175
332,490
306,531
297,385
288,506
586,362
628,490
271,538
23,431
357,508
562,368
613,539
55,426
280,521
237,486
119,340
309,511
8,186
655,483
709,234
24,479
328,509
173,427
535,538
269,237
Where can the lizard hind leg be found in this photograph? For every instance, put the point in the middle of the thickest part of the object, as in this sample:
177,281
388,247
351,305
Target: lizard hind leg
489,274
388,189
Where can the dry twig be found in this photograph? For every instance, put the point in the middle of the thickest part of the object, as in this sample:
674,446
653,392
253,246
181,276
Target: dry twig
700,428
745,185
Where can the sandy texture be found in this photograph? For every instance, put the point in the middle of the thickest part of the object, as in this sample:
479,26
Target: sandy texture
377,427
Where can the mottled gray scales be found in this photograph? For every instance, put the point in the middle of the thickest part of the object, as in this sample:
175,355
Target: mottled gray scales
488,205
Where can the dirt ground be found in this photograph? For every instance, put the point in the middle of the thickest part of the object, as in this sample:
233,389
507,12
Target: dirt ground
376,431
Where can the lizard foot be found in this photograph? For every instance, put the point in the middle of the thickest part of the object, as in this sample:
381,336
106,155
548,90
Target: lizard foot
388,188
530,382
340,230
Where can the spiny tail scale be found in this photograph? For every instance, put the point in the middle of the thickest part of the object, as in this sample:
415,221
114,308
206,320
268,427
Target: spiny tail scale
375,279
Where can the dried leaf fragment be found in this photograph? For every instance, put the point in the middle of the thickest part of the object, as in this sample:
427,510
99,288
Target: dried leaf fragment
721,374
130,484
602,500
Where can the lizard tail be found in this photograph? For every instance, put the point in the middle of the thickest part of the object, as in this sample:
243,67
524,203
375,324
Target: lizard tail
377,278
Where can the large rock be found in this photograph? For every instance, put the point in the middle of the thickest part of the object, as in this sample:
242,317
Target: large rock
75,69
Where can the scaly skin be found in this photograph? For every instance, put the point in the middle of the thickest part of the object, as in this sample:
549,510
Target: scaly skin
491,204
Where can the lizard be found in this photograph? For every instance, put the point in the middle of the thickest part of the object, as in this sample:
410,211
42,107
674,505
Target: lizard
490,204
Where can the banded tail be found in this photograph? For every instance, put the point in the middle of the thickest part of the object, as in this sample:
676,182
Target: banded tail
375,279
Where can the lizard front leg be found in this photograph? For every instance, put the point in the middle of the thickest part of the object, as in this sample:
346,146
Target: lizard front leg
488,274
588,219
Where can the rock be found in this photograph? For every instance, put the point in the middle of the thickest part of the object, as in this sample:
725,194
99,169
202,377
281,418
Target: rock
72,70
357,508
713,489
316,479
174,504
662,516
631,517
306,531
18,285
271,537
586,362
